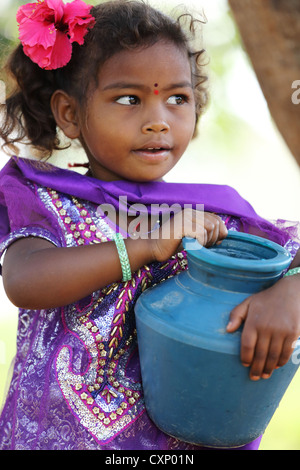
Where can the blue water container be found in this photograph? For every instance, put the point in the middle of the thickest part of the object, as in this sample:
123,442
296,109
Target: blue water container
195,386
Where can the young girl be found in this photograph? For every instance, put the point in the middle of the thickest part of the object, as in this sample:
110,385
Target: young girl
123,80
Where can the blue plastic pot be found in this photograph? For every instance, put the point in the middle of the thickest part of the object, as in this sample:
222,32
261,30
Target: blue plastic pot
195,386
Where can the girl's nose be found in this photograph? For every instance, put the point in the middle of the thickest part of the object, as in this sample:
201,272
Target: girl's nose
156,126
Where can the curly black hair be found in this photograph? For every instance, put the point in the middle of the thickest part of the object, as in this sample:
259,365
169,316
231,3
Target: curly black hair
120,25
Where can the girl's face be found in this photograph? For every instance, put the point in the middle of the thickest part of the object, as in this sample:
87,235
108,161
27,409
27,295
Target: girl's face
141,117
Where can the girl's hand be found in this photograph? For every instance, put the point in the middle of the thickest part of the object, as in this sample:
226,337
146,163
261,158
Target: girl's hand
272,326
206,227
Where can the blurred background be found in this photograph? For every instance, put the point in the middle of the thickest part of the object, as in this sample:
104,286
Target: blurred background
237,144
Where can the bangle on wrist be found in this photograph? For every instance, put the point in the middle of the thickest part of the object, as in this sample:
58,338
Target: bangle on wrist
123,256
292,272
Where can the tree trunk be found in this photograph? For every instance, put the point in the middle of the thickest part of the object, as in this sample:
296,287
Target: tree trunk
270,30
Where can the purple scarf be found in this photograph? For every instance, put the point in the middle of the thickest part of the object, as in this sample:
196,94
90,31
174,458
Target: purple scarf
215,198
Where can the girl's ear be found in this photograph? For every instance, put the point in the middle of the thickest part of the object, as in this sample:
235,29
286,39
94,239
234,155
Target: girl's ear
64,109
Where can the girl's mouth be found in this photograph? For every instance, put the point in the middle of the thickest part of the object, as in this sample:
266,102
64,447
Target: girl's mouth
155,149
153,154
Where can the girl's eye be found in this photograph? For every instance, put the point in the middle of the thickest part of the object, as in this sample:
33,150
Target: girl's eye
128,100
177,99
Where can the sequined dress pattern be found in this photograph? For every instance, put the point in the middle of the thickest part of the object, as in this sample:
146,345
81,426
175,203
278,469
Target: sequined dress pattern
76,381
80,359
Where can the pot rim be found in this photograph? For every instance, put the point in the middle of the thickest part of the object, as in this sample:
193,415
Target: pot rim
277,263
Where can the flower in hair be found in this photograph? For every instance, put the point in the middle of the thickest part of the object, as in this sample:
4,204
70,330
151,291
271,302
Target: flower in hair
48,28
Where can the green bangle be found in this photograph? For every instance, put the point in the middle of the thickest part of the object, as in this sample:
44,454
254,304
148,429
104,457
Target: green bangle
292,272
123,256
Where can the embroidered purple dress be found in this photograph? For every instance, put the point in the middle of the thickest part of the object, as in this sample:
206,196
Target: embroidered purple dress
76,382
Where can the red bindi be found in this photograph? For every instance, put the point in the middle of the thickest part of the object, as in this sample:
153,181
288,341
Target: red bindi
156,91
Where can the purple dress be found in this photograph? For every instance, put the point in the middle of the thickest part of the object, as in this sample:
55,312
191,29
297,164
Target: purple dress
76,382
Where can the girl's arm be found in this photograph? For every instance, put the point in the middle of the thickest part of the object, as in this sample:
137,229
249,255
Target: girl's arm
36,274
272,325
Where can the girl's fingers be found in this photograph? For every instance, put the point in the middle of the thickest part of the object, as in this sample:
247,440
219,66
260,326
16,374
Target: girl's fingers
268,338
206,227
265,353
249,340
213,233
270,356
237,316
259,358
216,229
273,355
287,350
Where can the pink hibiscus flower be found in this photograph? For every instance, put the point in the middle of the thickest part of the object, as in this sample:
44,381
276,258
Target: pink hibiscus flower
48,28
